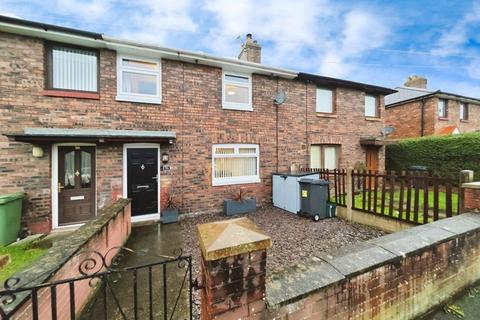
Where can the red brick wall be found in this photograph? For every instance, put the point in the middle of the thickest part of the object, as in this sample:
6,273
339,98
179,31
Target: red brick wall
404,288
113,234
406,118
471,199
453,118
191,106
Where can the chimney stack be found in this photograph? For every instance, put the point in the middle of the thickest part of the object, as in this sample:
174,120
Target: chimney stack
415,81
251,50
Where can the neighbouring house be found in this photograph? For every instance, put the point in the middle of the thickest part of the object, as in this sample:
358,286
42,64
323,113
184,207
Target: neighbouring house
87,119
415,111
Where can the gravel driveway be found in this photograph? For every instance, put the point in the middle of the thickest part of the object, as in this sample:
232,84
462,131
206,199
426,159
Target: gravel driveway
294,238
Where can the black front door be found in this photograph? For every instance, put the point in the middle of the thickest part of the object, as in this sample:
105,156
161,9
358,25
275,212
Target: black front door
142,175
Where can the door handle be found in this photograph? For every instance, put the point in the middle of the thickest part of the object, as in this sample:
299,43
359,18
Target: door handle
143,186
60,187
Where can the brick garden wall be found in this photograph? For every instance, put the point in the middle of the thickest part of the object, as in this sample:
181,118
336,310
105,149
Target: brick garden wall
110,229
398,276
191,106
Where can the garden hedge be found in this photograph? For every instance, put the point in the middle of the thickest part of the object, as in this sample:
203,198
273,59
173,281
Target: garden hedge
445,156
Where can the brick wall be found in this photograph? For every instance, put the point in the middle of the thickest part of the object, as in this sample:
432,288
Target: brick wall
191,106
470,197
110,230
406,118
398,276
453,118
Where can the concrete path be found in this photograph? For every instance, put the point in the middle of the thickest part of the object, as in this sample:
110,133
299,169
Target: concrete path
150,245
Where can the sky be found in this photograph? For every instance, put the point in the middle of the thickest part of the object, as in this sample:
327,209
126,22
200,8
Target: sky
377,42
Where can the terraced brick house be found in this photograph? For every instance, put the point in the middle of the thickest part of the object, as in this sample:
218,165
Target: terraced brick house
87,119
415,111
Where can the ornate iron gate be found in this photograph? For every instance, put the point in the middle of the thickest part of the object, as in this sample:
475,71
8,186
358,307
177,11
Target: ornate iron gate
158,290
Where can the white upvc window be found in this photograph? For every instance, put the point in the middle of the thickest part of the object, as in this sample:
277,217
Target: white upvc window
371,106
324,100
237,91
235,164
139,79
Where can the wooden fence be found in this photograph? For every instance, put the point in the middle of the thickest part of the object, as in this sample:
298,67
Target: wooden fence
412,197
337,191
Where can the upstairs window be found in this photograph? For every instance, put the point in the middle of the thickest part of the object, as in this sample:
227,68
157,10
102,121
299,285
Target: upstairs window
237,91
72,68
442,108
371,106
324,100
463,111
235,164
139,80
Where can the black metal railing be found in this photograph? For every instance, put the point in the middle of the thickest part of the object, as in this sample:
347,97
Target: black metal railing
155,290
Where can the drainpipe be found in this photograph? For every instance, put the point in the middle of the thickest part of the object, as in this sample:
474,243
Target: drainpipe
422,119
276,123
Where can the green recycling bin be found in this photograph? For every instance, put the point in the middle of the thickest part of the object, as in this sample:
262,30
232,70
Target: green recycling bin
10,217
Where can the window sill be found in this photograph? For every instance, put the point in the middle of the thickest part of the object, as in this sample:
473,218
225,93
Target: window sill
71,94
327,115
138,99
226,183
442,119
237,108
464,120
378,119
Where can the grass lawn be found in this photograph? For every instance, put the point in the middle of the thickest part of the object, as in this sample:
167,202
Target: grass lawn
20,257
396,200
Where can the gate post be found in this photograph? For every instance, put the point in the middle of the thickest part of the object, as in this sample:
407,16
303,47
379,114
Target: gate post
469,195
233,267
349,195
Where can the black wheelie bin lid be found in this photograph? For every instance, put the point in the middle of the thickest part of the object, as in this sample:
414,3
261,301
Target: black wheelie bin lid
314,181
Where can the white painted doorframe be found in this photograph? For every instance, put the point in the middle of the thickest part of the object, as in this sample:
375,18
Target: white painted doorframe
126,146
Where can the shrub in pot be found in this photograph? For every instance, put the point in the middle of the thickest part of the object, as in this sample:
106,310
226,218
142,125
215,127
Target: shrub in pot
240,203
170,209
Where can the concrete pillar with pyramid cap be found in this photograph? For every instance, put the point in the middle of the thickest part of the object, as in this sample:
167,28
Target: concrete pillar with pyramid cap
233,263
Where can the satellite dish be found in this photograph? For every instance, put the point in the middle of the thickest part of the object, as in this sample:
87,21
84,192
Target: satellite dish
280,97
386,131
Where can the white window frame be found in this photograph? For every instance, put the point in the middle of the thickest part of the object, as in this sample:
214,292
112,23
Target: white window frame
236,154
444,114
317,101
377,107
137,97
234,105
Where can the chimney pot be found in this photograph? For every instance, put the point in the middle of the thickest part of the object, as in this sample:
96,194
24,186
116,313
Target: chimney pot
250,51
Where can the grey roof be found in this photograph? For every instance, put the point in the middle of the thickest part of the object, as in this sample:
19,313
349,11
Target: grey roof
107,133
406,93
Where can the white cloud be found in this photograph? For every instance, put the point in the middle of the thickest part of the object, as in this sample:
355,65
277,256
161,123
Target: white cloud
159,19
304,34
362,31
287,27
451,41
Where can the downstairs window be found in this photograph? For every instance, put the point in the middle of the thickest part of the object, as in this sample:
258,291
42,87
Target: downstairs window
235,164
